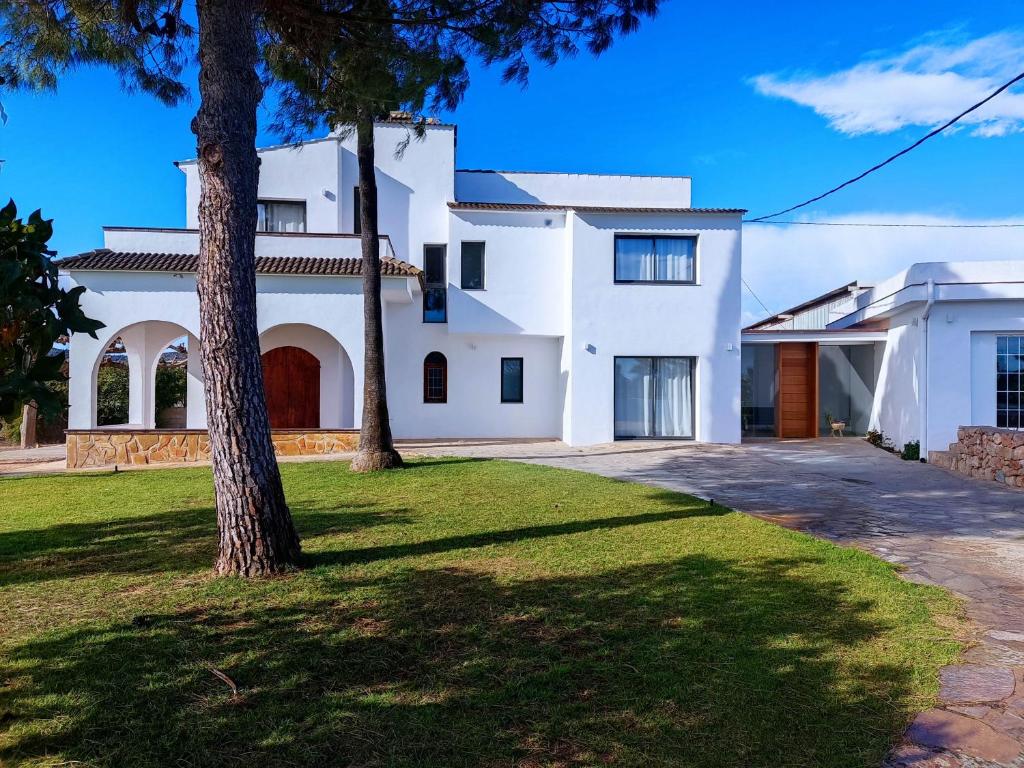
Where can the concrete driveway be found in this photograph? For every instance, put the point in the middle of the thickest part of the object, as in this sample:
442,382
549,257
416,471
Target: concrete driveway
965,535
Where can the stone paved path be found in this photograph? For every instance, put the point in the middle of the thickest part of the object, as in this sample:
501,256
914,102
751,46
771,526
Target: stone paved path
965,535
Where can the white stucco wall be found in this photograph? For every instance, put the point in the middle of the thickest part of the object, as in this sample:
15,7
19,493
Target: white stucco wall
524,274
699,321
572,189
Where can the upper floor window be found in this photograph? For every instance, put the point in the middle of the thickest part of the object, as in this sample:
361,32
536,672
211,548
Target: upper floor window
1010,381
473,266
435,378
655,259
357,215
280,216
435,291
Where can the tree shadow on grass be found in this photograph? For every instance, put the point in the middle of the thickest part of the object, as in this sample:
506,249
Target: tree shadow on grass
176,541
698,661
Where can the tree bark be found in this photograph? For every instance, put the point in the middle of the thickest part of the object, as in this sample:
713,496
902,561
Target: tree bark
376,449
257,536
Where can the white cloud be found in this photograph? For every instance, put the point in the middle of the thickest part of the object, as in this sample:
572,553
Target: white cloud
787,265
924,86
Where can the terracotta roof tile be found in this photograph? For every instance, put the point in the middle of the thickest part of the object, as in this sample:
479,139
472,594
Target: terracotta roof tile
104,259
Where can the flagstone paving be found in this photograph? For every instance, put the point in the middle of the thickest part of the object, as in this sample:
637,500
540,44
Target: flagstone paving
965,535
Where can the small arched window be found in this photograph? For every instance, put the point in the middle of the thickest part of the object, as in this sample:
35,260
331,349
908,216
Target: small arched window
435,378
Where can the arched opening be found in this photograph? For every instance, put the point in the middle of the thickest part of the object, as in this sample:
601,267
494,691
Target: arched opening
308,378
145,378
171,386
291,382
435,378
112,385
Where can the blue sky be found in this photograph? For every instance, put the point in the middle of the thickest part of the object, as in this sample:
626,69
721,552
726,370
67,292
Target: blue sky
763,105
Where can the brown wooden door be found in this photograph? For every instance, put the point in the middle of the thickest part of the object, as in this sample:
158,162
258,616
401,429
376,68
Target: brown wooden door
797,409
291,381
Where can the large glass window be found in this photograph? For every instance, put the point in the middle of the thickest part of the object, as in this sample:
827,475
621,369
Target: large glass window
511,379
435,291
758,389
1010,381
846,386
651,259
473,266
280,216
653,397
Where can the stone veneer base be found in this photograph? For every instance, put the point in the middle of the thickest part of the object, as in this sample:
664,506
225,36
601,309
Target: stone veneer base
89,448
986,453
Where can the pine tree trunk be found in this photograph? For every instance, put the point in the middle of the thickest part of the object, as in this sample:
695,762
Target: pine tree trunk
257,537
376,449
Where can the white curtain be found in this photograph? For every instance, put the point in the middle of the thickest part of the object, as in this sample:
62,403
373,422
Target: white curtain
634,390
634,258
287,217
673,408
675,258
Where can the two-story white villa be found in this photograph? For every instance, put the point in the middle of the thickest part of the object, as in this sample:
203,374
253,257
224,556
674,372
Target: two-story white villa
574,306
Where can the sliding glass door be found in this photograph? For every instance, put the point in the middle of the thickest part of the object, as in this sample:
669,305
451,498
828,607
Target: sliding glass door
653,397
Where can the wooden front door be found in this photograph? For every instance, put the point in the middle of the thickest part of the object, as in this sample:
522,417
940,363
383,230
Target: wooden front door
291,381
797,409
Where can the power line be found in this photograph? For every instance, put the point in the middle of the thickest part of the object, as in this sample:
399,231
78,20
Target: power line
756,296
902,152
880,224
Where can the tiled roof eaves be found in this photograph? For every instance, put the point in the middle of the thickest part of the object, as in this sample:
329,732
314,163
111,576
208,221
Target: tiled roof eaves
120,261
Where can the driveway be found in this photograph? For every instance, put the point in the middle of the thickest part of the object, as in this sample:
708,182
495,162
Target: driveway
965,535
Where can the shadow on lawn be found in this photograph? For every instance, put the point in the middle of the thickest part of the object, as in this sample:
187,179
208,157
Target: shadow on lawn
698,661
176,541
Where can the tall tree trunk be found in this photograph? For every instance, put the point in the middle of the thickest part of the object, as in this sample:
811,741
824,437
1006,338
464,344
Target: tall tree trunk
257,537
376,449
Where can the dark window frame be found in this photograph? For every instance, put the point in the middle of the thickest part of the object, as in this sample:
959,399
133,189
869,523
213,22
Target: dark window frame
483,265
265,201
615,259
522,380
693,395
439,362
436,286
357,219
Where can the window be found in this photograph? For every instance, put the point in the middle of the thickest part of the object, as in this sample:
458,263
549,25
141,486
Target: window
653,397
435,378
280,216
758,389
1010,381
357,220
651,259
511,379
435,292
473,266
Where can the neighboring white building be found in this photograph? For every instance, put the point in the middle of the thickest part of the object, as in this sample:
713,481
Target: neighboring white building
938,346
582,307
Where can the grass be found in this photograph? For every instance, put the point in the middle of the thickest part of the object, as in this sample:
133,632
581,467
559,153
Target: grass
456,613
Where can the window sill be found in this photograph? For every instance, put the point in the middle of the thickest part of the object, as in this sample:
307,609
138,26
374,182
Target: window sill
656,282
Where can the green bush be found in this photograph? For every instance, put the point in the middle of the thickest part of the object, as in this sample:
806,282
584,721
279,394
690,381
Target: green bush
112,394
112,391
911,451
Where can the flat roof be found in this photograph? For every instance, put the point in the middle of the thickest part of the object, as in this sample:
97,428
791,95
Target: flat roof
460,205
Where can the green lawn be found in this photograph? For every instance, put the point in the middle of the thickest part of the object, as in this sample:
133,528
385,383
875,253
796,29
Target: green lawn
456,613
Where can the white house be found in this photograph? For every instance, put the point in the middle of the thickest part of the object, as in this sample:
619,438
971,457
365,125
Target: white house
577,306
937,346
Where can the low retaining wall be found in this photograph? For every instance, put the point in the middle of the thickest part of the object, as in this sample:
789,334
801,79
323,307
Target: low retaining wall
109,447
987,453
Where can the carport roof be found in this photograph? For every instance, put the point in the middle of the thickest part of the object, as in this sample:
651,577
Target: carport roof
104,259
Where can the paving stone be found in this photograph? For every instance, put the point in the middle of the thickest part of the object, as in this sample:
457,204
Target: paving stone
914,756
939,728
970,683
